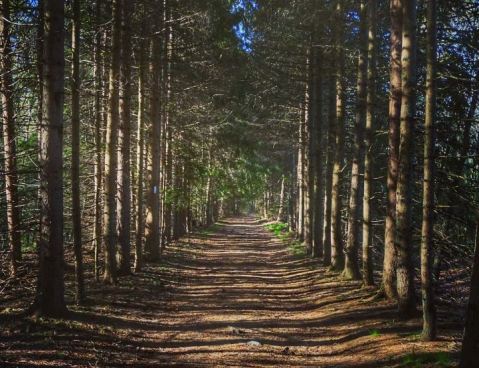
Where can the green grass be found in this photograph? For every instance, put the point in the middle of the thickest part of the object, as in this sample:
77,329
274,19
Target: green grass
280,230
210,230
374,333
441,359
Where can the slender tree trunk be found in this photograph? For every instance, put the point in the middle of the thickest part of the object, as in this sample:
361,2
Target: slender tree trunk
111,156
9,135
329,170
97,229
337,261
351,264
152,243
50,299
300,171
282,200
75,171
308,177
470,340
405,268
140,213
367,264
125,153
389,268
427,290
318,187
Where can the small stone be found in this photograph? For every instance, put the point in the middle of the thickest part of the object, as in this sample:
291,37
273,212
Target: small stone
254,343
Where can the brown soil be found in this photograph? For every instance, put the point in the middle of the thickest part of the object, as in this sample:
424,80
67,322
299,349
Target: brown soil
233,298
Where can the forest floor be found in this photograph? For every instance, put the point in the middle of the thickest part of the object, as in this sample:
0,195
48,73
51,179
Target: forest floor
233,296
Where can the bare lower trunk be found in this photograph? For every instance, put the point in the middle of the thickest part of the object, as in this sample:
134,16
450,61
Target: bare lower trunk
405,268
9,134
337,261
75,171
389,268
50,299
97,229
125,122
367,264
351,264
111,157
427,289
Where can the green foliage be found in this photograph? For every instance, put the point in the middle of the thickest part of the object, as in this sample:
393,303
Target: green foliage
374,333
441,359
277,228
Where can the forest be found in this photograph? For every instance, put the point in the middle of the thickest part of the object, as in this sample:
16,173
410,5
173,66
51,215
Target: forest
239,183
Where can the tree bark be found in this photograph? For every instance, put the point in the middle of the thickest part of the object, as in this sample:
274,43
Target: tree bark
49,300
427,242
337,261
97,227
152,243
140,212
330,144
125,149
405,268
367,264
389,268
75,170
9,136
351,264
111,156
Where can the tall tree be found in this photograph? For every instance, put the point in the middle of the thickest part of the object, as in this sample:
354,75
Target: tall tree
427,291
75,170
125,150
388,275
111,156
152,244
329,144
97,227
405,268
50,300
337,261
9,136
351,264
140,213
367,266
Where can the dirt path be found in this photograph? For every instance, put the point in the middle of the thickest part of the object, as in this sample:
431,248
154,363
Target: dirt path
233,298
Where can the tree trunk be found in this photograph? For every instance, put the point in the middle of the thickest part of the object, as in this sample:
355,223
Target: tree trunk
75,170
140,213
470,340
337,261
317,161
427,289
50,299
300,173
152,243
351,264
405,268
388,276
97,227
125,128
282,200
111,156
9,135
367,264
329,169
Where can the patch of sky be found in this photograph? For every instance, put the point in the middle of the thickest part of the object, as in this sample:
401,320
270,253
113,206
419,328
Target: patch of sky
243,29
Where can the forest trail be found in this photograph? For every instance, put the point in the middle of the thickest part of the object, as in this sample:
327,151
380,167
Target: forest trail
232,297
